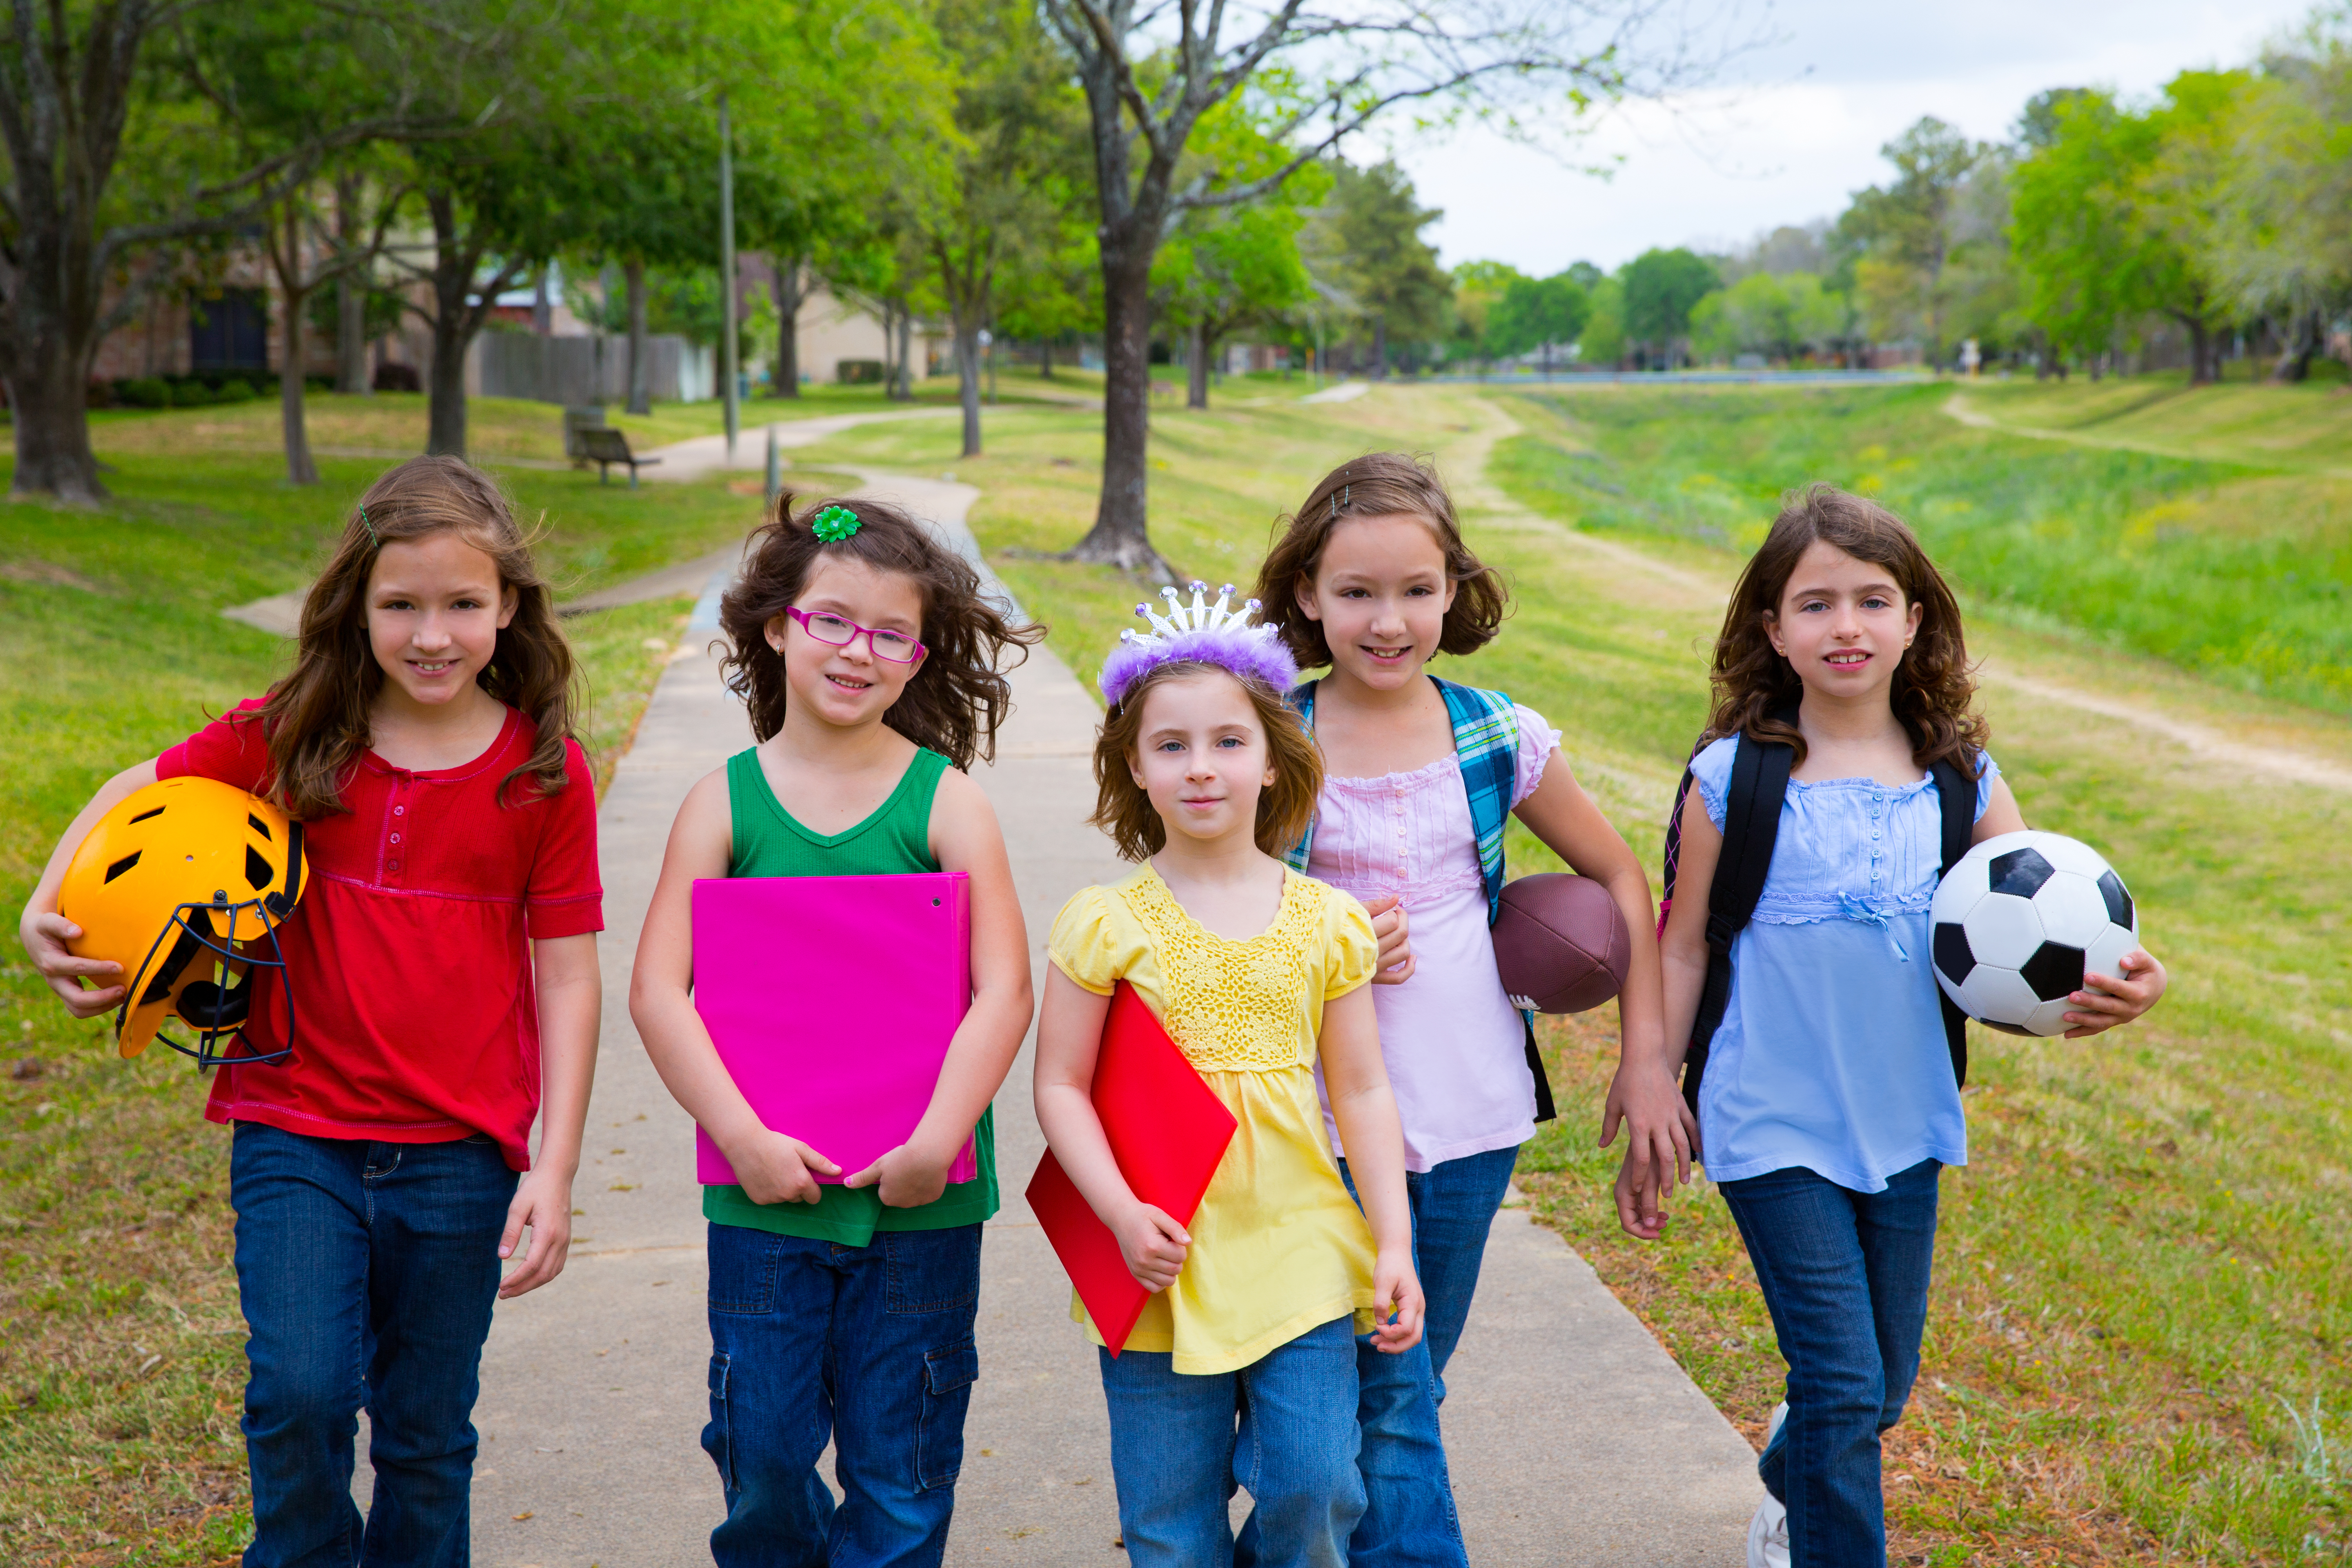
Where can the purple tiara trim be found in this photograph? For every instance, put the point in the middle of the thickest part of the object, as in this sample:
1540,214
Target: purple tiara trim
1200,635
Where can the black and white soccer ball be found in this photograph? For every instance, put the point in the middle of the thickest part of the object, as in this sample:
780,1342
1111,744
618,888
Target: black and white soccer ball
2020,920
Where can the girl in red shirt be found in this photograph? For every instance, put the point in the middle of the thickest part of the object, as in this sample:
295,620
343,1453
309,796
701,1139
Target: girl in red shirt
443,971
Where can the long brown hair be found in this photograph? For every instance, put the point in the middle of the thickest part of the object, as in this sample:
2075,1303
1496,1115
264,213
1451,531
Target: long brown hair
1284,807
957,697
315,720
1935,685
1378,484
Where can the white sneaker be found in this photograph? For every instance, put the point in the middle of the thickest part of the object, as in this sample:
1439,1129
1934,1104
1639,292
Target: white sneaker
1768,1533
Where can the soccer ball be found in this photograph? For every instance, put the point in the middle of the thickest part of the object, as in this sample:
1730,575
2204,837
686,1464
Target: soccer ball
2018,921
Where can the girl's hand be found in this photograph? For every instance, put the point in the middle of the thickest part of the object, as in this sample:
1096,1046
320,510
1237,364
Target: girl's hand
1661,1131
1398,1301
1154,1245
2108,1000
774,1169
908,1179
1641,1199
543,1202
1392,927
45,937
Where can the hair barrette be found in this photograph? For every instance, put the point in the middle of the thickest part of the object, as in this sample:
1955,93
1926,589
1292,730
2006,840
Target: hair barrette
369,526
836,523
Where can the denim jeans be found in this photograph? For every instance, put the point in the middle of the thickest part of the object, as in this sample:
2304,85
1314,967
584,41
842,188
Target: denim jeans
1409,1517
1845,1277
869,1347
367,1272
1282,1429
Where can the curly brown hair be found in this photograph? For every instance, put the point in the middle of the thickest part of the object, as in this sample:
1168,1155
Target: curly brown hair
315,721
1284,807
958,696
1757,690
1378,484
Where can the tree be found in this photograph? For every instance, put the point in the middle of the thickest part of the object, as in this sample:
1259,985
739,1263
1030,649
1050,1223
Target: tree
1372,225
1661,288
83,246
1151,73
1775,315
1478,289
1541,314
1907,224
1602,341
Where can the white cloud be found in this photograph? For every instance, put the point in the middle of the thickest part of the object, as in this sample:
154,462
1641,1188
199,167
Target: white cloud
1798,127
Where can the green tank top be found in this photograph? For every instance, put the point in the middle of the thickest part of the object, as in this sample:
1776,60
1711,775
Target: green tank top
894,841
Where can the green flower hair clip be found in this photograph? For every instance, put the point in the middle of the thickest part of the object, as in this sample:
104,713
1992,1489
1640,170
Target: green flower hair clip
836,523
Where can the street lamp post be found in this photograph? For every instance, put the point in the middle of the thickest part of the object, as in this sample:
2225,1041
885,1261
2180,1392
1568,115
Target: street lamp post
727,276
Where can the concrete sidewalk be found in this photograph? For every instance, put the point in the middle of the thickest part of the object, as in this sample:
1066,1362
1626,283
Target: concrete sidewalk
1575,1440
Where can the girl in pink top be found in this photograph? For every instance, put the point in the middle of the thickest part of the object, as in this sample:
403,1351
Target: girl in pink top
1371,577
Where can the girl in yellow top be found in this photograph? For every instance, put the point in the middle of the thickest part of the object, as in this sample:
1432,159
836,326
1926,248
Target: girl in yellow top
1242,1371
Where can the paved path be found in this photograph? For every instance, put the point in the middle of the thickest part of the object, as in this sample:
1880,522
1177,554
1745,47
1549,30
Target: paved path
1576,1439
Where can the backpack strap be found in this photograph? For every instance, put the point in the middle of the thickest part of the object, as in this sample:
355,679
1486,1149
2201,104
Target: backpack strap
1302,697
1751,823
1958,794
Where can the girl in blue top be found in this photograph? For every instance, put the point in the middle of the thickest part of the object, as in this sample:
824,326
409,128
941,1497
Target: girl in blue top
1829,1104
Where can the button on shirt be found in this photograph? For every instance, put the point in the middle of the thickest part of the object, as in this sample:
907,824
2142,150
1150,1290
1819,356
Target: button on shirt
1832,1054
416,1017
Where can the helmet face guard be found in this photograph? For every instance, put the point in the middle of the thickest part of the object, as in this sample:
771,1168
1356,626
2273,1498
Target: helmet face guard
178,978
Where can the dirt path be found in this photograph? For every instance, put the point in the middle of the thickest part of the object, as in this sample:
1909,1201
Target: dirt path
1466,463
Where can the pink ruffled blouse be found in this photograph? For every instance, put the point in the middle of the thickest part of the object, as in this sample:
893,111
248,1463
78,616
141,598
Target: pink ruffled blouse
1456,1050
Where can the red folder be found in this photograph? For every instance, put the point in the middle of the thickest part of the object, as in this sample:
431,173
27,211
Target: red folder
1167,1130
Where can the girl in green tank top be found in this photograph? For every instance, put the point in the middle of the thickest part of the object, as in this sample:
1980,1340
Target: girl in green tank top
842,1302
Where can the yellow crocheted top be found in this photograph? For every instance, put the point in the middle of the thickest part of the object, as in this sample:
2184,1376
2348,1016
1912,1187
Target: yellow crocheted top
1278,1247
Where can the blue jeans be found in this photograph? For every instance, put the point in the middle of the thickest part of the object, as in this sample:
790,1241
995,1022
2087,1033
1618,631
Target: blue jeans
1409,1516
1178,1455
367,1273
1845,1277
869,1347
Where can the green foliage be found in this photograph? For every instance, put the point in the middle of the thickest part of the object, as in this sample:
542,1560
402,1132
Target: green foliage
1478,290
236,389
1662,287
146,392
1603,339
1366,245
1538,313
1778,316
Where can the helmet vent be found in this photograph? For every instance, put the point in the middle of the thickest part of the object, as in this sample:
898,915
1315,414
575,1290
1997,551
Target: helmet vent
145,815
124,864
257,825
256,870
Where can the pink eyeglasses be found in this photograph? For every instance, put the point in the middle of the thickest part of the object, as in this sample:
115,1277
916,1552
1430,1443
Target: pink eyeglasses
836,631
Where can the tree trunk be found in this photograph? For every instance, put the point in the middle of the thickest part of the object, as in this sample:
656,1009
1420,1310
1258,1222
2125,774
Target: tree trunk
786,288
2301,346
50,402
1196,380
299,469
542,309
640,382
906,353
1046,358
967,353
1120,536
2200,351
1380,348
445,385
350,297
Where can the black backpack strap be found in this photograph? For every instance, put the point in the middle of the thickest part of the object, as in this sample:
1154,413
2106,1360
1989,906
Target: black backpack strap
1958,793
1751,822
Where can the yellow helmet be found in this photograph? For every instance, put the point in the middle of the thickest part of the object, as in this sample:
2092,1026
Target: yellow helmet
184,884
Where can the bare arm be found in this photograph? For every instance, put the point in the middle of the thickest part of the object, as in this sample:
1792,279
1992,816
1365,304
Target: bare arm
1661,1131
44,932
773,1167
1365,1108
1069,1039
571,990
965,838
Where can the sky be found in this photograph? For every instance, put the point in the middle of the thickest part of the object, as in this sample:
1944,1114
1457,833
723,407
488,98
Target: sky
1786,132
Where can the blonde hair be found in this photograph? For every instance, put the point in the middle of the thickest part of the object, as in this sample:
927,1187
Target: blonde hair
1284,807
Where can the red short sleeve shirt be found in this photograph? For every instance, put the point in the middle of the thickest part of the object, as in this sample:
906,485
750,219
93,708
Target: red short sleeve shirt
409,956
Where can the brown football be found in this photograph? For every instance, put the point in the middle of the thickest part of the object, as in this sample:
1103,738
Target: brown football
1560,942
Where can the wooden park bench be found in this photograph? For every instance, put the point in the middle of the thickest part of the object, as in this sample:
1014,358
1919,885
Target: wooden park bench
603,447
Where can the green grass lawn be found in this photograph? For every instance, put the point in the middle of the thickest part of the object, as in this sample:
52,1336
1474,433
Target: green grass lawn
2143,1269
120,1345
2239,571
2303,427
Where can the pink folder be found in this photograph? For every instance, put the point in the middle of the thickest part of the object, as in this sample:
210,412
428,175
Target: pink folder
832,1001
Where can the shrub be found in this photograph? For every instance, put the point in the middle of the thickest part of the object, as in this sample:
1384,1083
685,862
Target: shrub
146,392
236,389
391,377
191,395
859,372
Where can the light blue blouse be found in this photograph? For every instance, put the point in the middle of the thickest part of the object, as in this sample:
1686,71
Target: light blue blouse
1832,1053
